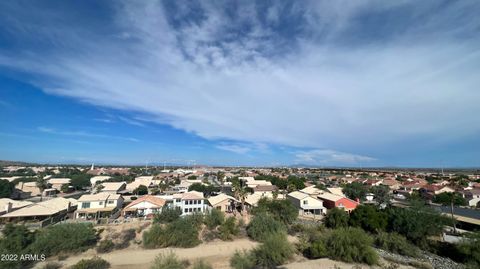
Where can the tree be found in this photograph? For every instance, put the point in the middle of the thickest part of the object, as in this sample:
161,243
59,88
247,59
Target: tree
281,210
168,214
368,218
274,251
65,188
240,190
141,190
262,225
447,198
336,218
416,222
382,194
351,245
41,184
355,190
6,188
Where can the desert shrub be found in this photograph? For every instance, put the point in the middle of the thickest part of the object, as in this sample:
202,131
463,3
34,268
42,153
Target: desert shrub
16,240
93,263
281,210
470,251
201,264
167,215
229,229
180,233
336,218
274,251
64,238
214,218
351,245
210,235
262,225
169,261
396,243
124,238
242,260
52,265
155,237
317,249
369,218
105,246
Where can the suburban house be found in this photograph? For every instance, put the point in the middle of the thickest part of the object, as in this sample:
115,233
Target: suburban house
472,196
223,202
145,206
100,205
265,189
28,189
57,183
306,204
391,183
52,211
8,205
312,191
331,200
190,202
113,187
436,189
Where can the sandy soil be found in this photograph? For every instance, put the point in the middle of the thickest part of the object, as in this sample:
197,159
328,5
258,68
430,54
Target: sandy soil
217,253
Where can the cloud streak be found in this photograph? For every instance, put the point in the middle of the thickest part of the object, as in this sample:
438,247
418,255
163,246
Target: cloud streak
49,130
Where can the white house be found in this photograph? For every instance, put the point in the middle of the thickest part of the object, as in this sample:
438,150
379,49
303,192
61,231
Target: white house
100,205
190,202
306,204
145,206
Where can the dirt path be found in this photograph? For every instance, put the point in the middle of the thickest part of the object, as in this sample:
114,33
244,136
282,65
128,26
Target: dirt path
217,253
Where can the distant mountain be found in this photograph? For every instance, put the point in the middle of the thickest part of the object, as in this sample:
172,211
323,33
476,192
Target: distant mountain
8,163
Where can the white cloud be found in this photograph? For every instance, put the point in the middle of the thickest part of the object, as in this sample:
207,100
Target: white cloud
329,157
234,148
321,95
83,134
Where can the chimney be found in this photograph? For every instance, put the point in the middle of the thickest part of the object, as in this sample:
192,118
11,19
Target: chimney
68,206
8,207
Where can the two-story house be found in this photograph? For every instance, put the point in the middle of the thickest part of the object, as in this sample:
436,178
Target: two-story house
190,202
306,204
100,205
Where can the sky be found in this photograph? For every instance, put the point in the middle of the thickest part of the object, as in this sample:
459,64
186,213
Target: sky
261,83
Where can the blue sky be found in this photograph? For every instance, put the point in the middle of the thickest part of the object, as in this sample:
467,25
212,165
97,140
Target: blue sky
329,83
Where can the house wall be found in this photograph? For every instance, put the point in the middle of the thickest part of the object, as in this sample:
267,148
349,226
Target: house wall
223,205
346,203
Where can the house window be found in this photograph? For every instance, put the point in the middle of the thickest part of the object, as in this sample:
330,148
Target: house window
218,207
305,202
86,205
110,202
100,203
178,200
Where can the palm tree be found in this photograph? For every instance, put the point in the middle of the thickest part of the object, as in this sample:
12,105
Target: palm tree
240,191
41,184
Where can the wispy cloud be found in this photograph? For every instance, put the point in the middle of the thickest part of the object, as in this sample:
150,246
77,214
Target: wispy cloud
329,157
332,81
83,134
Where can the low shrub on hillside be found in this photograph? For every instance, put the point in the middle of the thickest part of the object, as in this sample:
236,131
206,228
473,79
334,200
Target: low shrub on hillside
274,251
180,233
169,261
93,263
262,225
336,218
351,245
228,229
396,243
52,265
201,264
105,246
242,260
214,218
64,238
167,215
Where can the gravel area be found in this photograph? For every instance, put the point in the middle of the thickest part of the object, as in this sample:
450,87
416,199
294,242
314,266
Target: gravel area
427,260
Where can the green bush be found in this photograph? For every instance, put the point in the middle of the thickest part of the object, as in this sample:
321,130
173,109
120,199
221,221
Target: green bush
317,249
93,263
261,225
282,210
201,264
242,260
229,229
167,215
336,218
105,246
369,218
180,233
169,261
396,243
470,250
274,251
351,245
64,238
214,218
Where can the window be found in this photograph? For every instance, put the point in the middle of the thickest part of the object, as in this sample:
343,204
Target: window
186,210
178,200
305,202
111,202
100,203
86,205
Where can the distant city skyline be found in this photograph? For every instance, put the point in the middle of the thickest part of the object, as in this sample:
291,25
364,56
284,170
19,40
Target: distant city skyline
316,83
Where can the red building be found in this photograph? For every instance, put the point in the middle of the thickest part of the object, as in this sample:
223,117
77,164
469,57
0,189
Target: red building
331,200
